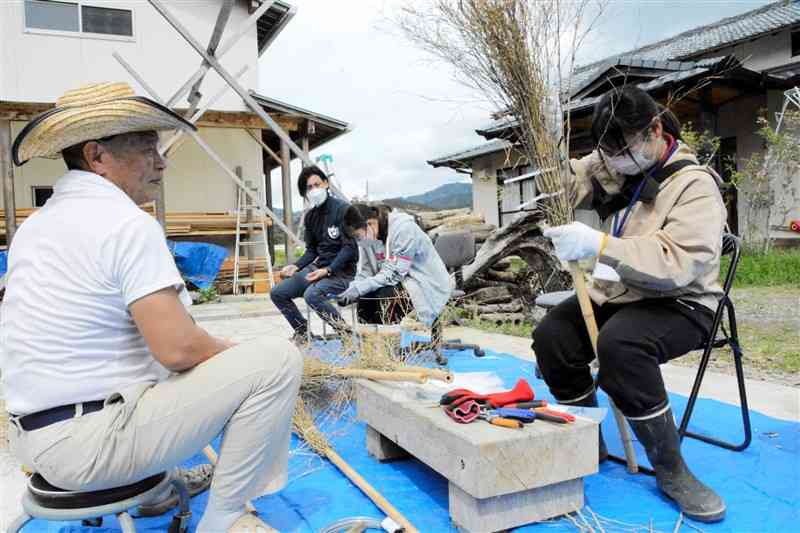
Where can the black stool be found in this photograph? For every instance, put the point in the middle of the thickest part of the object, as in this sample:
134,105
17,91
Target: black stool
46,502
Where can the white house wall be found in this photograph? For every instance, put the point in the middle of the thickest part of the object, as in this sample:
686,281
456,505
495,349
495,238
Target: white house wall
193,182
764,53
36,67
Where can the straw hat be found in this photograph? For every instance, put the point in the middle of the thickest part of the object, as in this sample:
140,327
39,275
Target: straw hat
92,112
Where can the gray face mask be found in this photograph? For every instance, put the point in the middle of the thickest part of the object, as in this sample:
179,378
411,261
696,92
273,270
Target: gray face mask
317,197
628,166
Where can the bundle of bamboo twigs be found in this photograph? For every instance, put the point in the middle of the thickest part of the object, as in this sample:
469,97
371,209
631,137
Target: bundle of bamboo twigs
516,52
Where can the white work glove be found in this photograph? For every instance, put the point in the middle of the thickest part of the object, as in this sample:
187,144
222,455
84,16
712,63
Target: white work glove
604,272
575,241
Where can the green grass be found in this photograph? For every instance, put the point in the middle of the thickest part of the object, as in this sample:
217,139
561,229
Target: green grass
774,269
522,329
280,256
770,347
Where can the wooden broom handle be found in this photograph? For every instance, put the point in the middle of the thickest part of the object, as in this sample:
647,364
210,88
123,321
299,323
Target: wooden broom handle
381,502
380,375
579,282
432,373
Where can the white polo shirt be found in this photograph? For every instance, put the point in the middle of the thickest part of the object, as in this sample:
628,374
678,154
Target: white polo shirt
74,267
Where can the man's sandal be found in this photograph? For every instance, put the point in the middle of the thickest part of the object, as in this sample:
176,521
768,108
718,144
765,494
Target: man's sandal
197,479
250,523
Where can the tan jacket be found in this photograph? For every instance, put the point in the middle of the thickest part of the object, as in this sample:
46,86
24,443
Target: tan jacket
669,247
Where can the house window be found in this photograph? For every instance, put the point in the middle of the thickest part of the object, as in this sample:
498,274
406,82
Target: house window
107,21
75,17
41,195
795,43
58,16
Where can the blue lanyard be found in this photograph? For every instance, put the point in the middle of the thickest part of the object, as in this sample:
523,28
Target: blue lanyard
620,224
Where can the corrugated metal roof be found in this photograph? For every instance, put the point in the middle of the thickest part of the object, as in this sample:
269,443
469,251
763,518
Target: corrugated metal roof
463,157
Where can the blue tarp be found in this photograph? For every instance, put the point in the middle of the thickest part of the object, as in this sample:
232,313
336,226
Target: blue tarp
761,485
198,262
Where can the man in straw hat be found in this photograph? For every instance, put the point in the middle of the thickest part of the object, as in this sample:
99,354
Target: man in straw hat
107,378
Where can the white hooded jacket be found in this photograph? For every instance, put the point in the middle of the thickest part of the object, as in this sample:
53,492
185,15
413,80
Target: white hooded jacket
411,260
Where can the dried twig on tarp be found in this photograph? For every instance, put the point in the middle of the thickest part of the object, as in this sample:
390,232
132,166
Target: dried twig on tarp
304,427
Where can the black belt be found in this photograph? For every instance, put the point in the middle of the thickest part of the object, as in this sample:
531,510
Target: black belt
35,421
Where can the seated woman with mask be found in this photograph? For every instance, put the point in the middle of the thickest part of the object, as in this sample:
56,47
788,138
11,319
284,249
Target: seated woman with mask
656,281
397,263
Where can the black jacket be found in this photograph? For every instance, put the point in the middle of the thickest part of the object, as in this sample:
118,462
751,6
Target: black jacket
326,242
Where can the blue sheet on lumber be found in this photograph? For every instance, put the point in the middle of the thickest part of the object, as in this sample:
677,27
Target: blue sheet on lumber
198,262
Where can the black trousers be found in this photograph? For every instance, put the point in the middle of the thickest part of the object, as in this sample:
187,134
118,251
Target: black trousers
634,340
387,305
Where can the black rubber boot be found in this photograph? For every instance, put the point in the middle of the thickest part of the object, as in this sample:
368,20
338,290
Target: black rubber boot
591,401
660,439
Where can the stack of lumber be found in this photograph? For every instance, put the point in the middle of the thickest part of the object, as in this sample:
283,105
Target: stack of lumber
199,223
22,214
226,271
224,280
179,224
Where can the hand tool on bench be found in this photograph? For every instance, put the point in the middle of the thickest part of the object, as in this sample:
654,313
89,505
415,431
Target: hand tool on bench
526,416
550,415
490,416
527,405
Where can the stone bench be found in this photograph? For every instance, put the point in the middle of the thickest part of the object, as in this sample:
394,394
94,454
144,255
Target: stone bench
498,478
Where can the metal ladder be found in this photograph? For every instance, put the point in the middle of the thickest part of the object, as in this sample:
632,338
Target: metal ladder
254,219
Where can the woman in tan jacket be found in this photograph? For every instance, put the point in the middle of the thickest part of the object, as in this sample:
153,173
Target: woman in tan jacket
655,282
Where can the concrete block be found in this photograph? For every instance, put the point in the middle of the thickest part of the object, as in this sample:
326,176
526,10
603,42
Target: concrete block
382,448
482,460
500,513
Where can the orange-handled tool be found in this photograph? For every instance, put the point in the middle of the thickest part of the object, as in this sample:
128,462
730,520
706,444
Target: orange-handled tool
499,420
505,422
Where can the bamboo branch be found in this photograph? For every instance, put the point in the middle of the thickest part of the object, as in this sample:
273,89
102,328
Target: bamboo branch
591,325
306,429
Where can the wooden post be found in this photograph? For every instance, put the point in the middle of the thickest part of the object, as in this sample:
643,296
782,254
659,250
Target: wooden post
286,177
304,143
7,172
268,200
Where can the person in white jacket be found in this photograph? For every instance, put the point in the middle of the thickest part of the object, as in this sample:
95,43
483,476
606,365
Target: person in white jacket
397,263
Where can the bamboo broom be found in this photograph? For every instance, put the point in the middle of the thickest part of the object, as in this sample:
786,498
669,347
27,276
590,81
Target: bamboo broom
305,428
511,50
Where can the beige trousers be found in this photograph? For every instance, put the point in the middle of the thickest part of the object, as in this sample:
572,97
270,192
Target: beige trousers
249,391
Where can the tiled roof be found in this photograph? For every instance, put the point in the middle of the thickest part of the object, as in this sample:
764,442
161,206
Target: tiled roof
704,39
465,156
682,71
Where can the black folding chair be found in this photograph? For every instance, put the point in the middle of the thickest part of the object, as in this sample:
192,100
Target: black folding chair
730,337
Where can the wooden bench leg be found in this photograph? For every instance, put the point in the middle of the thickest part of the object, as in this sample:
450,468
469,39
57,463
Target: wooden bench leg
508,511
382,448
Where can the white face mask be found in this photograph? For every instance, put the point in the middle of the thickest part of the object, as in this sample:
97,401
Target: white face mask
370,233
630,167
317,197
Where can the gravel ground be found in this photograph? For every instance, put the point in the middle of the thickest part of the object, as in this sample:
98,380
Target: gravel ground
769,331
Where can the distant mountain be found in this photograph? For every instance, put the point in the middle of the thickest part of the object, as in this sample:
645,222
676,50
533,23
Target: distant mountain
448,196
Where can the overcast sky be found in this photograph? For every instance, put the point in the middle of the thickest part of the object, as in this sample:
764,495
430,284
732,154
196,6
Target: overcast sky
344,59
